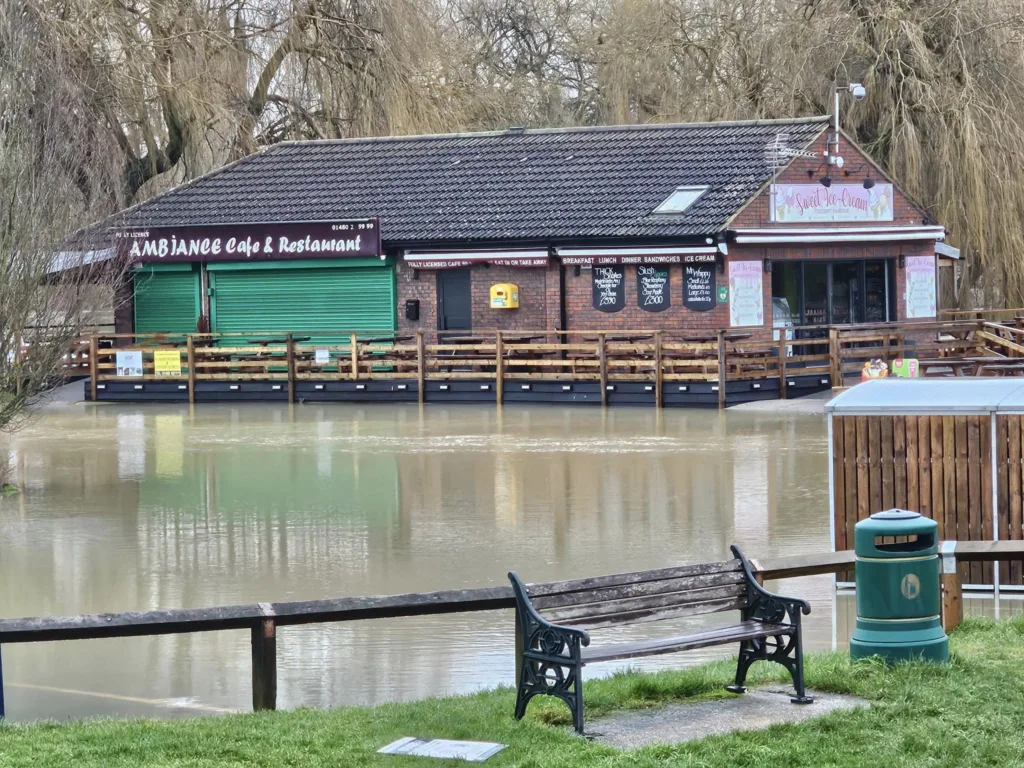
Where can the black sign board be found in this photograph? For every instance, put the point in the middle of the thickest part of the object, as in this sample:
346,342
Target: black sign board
609,288
251,242
699,287
652,289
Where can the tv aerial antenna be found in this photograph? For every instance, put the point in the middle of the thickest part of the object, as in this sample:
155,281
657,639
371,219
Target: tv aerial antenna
778,154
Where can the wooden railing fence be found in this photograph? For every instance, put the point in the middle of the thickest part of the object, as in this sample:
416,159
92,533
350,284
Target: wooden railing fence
263,619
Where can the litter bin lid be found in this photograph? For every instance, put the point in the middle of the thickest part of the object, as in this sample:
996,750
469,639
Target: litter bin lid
896,514
870,534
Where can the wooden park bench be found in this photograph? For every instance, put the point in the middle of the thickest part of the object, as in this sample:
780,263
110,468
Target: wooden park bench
553,619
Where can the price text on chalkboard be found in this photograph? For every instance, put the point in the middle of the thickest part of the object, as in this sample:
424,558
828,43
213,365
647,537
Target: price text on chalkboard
609,288
699,287
652,289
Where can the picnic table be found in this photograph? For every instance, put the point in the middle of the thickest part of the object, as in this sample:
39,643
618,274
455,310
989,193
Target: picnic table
956,366
707,338
999,366
279,340
386,339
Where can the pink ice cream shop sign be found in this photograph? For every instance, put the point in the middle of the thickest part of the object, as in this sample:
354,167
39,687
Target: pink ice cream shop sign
802,203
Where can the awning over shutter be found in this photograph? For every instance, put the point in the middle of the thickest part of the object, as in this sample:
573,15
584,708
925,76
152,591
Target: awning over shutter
506,257
639,255
782,236
303,300
166,300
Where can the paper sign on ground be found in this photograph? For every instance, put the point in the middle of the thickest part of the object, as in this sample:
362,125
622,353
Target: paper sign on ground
470,751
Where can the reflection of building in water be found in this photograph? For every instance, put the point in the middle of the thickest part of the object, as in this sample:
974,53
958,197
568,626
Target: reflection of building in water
750,493
131,445
506,490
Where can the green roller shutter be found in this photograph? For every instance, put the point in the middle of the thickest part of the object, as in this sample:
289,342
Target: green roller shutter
303,299
166,300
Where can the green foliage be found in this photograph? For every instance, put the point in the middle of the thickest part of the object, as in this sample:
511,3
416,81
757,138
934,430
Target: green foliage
965,713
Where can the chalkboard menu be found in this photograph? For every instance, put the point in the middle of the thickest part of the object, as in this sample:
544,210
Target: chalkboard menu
652,290
699,287
609,288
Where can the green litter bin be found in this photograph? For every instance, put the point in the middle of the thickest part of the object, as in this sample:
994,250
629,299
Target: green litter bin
898,589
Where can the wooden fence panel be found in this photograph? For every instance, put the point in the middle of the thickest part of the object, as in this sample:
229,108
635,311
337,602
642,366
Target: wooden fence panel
940,466
1013,472
899,457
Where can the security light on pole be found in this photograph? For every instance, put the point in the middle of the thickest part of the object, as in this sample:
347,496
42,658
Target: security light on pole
859,92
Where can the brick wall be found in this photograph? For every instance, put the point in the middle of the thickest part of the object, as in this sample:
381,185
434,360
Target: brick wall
423,288
538,298
534,310
581,315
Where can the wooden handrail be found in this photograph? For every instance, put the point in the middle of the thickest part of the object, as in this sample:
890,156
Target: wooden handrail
263,619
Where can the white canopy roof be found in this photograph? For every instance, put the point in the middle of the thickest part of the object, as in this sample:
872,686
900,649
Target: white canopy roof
951,396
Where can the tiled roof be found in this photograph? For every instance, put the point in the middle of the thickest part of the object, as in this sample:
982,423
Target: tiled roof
539,184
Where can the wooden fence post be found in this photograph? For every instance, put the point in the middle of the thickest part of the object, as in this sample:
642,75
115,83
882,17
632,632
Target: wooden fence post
835,357
92,384
657,369
783,385
602,357
952,595
420,376
355,358
290,355
499,367
2,711
191,347
264,661
721,368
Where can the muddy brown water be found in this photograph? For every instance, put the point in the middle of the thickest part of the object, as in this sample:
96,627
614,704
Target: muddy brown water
161,506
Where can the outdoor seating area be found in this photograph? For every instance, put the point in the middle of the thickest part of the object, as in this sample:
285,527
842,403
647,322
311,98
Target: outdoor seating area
643,367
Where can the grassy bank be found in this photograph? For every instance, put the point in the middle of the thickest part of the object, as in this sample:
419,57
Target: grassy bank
970,713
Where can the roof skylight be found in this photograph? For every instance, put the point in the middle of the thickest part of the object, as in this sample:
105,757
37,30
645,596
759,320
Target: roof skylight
681,199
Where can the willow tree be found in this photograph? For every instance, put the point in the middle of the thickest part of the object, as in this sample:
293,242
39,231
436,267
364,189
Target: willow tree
56,173
944,113
186,85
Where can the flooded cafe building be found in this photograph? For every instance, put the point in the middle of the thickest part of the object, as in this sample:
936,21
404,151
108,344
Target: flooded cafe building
676,231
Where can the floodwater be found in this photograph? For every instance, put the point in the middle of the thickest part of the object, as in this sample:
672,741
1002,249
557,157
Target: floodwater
162,506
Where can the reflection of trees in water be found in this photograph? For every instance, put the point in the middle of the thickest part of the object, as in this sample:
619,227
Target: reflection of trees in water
235,505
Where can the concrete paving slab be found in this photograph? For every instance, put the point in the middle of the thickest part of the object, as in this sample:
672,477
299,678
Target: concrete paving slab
810,404
677,723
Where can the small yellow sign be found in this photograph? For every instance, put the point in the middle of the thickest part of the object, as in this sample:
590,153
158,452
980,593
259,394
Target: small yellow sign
167,362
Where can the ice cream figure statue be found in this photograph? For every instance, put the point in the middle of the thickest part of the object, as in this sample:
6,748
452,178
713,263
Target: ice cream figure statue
875,369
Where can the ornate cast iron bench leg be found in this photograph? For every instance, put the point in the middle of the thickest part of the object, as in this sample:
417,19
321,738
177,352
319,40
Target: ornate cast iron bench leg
787,649
550,662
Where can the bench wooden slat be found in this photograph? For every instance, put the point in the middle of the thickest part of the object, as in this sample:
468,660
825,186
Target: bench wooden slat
694,598
620,579
651,647
657,587
644,615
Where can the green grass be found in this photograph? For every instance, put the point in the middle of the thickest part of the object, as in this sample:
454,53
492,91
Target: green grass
969,713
